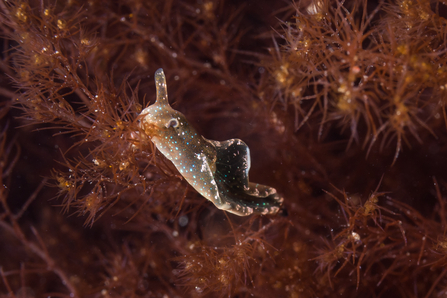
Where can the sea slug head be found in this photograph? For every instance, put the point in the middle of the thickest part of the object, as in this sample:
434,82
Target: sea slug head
160,119
168,129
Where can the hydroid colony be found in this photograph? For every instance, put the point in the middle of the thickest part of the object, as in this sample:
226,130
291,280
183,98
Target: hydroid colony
341,103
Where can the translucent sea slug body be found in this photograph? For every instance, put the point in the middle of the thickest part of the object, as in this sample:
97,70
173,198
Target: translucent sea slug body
217,170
